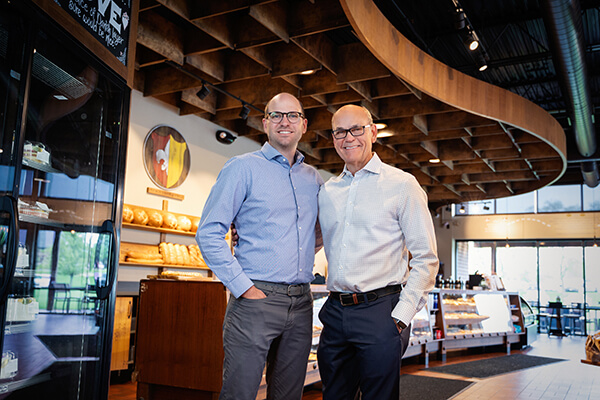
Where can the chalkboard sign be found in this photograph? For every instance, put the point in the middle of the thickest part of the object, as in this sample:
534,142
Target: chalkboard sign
106,20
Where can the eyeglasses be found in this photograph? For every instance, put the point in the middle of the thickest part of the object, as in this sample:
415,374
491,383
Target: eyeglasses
277,116
354,131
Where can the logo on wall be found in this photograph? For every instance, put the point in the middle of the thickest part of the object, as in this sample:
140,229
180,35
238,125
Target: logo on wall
166,157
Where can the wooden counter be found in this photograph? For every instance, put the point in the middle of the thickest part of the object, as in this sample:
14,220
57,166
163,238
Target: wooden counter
179,345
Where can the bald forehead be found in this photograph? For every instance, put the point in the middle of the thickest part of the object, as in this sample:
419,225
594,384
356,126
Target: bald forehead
283,97
351,111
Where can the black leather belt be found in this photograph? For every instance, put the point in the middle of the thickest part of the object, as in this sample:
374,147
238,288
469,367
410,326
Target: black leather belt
350,299
283,288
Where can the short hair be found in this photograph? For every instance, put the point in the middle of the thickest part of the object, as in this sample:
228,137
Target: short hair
297,99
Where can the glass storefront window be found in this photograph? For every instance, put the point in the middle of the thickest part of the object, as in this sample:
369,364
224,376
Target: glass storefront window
517,266
559,198
473,257
523,203
591,198
592,286
561,273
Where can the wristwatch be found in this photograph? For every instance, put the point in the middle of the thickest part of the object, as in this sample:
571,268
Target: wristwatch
401,324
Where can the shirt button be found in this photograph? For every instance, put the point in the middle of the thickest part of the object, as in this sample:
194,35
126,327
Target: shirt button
341,267
347,223
342,245
299,227
300,250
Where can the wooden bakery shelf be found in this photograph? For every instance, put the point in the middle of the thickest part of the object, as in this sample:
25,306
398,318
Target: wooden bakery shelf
130,264
159,230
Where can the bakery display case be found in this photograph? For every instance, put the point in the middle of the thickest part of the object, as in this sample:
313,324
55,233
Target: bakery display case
475,313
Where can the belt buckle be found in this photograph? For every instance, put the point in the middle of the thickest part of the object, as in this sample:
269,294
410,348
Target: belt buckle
351,296
294,290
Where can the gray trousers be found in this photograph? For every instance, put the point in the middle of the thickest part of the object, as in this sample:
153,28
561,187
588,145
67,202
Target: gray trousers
276,330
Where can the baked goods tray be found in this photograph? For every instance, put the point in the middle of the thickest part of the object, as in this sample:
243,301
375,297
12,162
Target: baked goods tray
465,321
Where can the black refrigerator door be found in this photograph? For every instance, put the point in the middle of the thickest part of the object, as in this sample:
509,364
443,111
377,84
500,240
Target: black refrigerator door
58,308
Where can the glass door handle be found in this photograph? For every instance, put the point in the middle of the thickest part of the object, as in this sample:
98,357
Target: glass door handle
9,204
102,292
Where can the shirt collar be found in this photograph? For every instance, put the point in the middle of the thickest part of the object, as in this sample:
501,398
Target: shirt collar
271,153
373,166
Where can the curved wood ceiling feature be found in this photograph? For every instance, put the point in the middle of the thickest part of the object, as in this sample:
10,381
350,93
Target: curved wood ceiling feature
491,143
452,87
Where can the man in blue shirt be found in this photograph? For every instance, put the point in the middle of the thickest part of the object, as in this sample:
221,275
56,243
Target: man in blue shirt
271,197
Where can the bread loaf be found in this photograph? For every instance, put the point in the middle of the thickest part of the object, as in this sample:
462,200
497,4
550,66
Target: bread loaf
195,223
169,221
186,255
127,214
164,250
155,219
184,223
140,217
172,254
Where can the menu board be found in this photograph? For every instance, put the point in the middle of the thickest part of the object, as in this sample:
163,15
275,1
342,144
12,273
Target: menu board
106,20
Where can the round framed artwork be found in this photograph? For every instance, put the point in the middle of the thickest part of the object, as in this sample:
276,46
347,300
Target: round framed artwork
166,157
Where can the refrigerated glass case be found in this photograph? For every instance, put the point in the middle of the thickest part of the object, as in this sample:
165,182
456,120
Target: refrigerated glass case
63,136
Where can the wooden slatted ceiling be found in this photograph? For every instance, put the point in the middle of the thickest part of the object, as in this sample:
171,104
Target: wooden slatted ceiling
255,49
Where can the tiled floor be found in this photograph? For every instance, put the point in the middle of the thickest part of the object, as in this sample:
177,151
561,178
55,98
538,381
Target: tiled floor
564,380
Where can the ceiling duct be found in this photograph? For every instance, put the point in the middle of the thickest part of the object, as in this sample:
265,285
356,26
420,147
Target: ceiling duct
563,23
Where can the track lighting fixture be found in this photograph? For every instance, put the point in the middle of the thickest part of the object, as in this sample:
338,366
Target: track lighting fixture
462,209
481,61
472,41
486,207
245,111
203,92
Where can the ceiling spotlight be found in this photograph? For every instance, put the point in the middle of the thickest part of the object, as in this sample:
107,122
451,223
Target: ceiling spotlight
434,160
245,111
471,42
462,209
380,125
308,72
203,92
225,137
486,207
384,134
481,61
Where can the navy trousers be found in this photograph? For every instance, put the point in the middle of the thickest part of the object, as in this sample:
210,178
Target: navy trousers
361,348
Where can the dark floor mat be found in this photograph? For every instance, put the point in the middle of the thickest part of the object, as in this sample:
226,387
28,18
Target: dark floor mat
414,387
494,366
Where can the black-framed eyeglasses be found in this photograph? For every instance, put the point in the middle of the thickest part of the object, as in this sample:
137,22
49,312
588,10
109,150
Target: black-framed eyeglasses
277,116
354,131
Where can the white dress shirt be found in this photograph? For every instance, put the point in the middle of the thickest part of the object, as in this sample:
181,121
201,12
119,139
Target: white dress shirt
370,222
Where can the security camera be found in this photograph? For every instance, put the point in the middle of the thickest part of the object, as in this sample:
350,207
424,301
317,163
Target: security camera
225,137
447,225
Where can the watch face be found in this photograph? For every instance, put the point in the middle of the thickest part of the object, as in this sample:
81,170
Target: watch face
166,157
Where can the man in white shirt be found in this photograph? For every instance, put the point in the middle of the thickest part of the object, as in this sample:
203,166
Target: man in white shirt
371,217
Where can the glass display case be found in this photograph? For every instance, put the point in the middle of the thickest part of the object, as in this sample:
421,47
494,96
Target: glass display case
61,171
421,330
474,313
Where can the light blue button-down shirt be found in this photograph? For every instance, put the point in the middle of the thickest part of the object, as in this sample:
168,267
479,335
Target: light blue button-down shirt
274,208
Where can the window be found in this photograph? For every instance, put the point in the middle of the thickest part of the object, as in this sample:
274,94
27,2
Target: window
591,198
559,198
561,272
517,265
523,203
